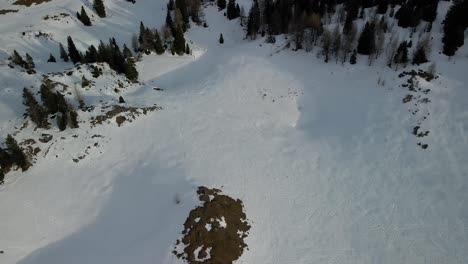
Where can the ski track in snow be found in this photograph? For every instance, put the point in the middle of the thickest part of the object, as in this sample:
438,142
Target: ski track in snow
322,157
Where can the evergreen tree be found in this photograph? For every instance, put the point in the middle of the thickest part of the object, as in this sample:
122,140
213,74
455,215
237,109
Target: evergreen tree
121,100
83,17
170,23
29,62
17,59
16,153
401,56
232,12
127,53
182,5
98,6
62,105
382,7
221,38
221,4
253,22
366,43
179,42
420,56
35,111
5,160
62,121
130,71
157,43
49,99
73,119
73,53
63,53
51,58
91,55
187,49
455,23
2,177
353,57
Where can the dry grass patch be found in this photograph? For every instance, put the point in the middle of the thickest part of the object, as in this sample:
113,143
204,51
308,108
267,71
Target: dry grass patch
6,11
30,2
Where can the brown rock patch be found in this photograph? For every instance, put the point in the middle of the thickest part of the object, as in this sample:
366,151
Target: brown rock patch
214,232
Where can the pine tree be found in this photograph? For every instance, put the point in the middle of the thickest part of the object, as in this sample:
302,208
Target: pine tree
49,99
170,23
2,177
35,111
51,58
73,119
179,42
127,53
62,105
157,43
420,56
29,62
187,49
99,8
5,160
353,57
182,5
130,71
366,43
73,53
83,17
221,4
253,22
16,153
91,55
17,59
121,100
221,38
63,53
455,23
232,12
401,56
62,121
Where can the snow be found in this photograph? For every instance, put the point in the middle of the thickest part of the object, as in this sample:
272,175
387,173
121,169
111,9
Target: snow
322,156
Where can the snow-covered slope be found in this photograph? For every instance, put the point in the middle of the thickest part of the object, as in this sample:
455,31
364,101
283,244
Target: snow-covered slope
322,156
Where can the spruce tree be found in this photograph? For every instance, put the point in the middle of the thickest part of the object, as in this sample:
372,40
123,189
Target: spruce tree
17,59
73,53
232,10
73,119
157,43
366,43
187,49
127,53
83,17
353,58
98,6
29,62
182,5
179,41
420,56
401,56
130,71
62,105
49,99
170,23
91,55
63,53
62,121
35,111
5,160
221,4
221,38
253,22
51,58
2,177
16,153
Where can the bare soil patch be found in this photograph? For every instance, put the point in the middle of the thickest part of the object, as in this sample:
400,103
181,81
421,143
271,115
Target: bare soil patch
123,114
214,232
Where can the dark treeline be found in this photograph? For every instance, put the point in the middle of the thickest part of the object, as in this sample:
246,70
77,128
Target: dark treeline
119,60
304,20
11,155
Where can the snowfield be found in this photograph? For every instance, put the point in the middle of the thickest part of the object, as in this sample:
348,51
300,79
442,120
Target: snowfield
322,156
